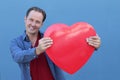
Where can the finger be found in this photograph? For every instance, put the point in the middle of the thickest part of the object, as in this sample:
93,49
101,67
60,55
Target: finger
48,44
94,44
43,47
94,37
46,40
94,41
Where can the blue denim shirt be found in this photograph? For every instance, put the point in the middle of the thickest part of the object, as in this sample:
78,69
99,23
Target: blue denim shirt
22,53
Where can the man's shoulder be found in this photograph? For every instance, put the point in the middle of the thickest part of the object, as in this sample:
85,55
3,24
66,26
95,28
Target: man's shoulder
18,38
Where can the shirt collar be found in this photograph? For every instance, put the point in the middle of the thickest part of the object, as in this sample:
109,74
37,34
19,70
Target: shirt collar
26,38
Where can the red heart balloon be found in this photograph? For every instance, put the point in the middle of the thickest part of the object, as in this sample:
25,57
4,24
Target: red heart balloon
70,51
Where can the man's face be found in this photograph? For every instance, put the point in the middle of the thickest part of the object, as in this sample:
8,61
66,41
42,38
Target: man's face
33,22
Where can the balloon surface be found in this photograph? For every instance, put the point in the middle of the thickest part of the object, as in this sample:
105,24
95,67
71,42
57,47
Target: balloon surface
70,51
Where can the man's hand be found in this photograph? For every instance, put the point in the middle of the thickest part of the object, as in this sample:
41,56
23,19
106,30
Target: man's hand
44,43
94,41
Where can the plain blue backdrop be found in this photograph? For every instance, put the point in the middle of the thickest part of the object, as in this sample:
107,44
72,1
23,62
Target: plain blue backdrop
104,15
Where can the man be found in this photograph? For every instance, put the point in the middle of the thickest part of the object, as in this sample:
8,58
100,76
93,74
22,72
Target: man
28,50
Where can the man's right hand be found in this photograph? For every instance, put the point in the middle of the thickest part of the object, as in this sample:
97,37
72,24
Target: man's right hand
44,43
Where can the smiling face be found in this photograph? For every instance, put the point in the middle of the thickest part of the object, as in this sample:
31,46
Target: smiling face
33,22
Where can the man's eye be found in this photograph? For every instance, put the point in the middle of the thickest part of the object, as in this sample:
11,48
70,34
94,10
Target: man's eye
38,22
30,19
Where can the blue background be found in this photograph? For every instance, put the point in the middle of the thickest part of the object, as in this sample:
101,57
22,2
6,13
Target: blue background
104,15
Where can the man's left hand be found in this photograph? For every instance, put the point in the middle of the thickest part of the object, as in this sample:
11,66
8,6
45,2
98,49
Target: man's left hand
94,41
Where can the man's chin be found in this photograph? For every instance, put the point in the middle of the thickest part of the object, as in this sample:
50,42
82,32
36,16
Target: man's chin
32,32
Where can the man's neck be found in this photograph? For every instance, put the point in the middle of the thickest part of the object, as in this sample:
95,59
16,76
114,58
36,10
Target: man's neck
32,38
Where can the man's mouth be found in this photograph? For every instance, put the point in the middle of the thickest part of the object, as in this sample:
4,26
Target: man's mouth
31,28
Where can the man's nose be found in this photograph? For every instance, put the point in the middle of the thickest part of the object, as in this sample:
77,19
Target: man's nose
33,23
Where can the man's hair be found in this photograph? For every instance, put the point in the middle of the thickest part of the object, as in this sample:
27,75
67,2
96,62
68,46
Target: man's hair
37,9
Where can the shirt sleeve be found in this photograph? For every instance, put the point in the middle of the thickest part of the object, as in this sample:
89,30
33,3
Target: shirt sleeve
20,55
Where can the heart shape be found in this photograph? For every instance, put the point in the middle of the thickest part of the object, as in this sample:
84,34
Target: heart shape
70,51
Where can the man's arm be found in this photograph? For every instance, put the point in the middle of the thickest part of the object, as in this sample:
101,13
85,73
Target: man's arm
19,55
